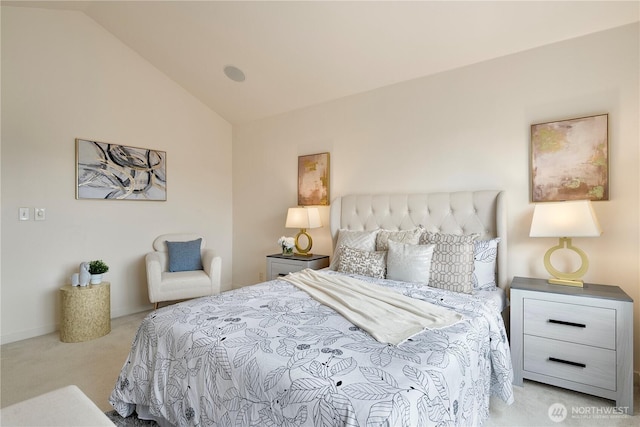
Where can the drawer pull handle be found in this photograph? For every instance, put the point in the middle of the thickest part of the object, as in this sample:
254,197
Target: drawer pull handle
567,362
562,322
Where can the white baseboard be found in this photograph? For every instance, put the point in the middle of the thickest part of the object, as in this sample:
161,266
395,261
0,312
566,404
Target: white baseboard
130,310
30,333
44,330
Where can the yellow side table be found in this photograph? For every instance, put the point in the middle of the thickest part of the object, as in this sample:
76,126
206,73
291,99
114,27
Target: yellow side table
86,312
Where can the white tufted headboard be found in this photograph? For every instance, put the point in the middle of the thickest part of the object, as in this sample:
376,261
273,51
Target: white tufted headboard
463,212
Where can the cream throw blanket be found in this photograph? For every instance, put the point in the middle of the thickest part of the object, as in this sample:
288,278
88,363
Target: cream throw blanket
388,316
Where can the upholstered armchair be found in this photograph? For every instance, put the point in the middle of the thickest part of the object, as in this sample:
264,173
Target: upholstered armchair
181,268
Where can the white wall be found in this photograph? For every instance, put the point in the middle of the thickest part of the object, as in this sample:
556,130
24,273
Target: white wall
64,77
463,129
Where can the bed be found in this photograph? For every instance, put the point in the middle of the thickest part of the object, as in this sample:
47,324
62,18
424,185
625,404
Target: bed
270,354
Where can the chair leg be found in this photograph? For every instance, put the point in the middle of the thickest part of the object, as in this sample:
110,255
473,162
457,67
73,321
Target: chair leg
155,306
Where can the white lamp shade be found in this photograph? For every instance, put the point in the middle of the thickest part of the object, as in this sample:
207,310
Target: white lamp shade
565,219
303,218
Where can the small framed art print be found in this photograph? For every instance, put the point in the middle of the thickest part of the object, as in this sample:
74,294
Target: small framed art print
313,180
570,159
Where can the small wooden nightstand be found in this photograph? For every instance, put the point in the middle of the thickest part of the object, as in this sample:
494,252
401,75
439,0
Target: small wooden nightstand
576,338
281,265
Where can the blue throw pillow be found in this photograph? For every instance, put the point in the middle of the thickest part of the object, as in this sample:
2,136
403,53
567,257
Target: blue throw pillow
184,256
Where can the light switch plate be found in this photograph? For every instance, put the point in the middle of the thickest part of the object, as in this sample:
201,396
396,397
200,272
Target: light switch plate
23,214
40,214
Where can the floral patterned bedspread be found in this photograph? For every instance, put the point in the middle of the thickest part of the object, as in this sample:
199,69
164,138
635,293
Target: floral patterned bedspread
270,355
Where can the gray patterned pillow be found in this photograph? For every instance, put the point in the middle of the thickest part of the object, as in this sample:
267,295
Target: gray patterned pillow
409,263
452,262
403,236
484,270
363,240
364,263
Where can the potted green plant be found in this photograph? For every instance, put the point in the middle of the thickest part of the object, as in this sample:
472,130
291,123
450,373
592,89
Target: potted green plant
97,268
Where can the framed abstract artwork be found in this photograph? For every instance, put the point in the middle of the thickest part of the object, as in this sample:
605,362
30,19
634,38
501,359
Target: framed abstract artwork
570,159
313,180
118,172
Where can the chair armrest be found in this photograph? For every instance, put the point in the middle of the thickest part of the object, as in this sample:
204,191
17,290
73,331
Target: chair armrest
154,262
212,265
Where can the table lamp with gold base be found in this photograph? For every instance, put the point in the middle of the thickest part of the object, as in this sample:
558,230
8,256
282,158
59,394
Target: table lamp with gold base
303,218
565,220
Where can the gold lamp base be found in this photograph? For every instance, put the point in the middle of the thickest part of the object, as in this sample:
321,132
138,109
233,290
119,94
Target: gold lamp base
566,279
308,254
303,251
576,283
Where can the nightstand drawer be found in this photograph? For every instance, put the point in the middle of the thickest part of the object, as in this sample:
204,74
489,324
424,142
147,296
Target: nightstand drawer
282,269
581,324
573,362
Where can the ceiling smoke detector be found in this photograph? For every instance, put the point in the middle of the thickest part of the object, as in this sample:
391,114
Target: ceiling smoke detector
234,73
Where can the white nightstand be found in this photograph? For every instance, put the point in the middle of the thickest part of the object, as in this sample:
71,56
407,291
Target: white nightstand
281,265
577,338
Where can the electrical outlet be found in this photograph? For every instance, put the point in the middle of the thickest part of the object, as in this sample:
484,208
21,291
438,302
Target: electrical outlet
23,214
39,214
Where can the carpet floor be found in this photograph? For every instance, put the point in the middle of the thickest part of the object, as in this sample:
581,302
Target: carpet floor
37,365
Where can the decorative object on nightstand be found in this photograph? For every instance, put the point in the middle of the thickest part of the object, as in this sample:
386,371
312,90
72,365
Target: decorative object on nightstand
576,338
287,244
280,265
84,276
97,268
303,218
565,220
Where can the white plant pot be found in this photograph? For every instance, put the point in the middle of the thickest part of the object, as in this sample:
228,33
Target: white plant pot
96,279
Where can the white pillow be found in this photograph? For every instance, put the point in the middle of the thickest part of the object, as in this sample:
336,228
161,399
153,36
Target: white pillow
402,236
484,271
409,263
364,263
363,240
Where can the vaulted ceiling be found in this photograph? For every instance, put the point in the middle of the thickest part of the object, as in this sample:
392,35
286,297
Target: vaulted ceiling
297,54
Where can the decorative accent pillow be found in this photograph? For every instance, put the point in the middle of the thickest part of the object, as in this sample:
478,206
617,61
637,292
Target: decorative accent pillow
364,263
184,256
404,236
484,270
409,263
452,262
363,240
